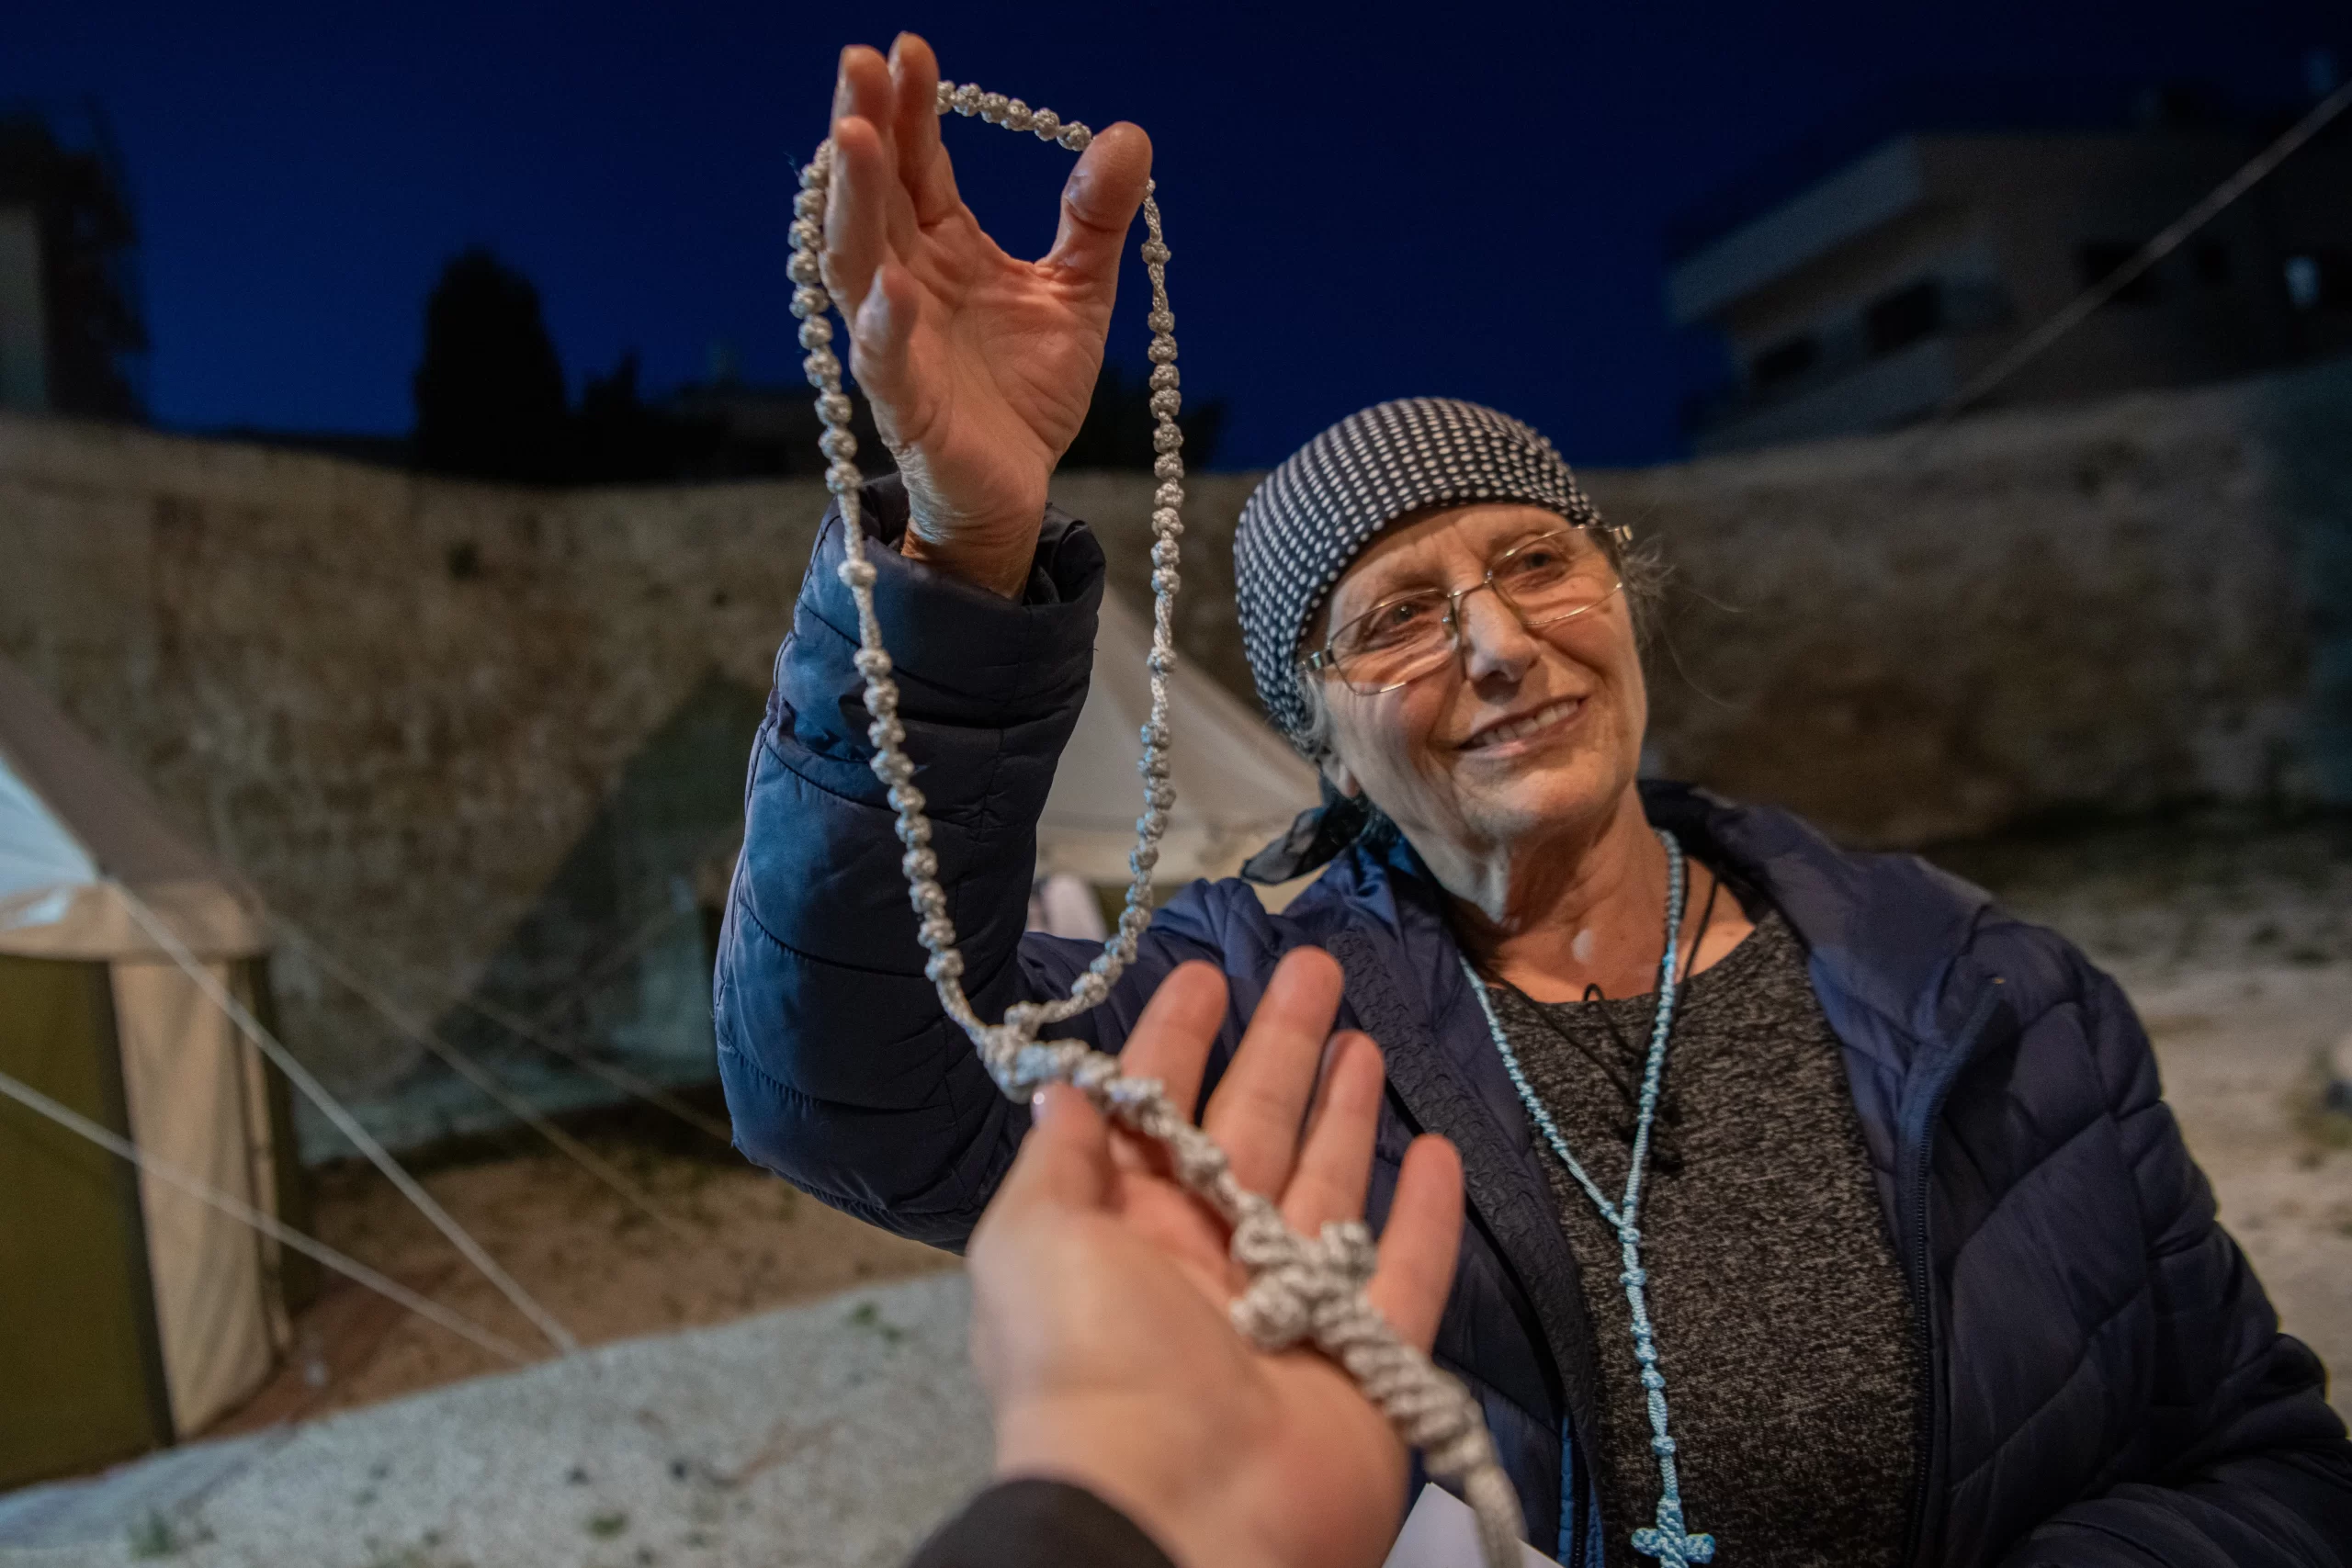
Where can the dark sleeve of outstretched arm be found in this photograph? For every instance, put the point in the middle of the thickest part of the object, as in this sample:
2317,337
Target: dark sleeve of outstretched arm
2259,1473
843,1074
1023,1524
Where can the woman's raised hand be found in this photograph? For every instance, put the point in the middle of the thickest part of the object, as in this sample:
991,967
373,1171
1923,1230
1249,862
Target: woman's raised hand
979,366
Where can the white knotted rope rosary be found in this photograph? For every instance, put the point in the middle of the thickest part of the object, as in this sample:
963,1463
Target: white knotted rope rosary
1301,1289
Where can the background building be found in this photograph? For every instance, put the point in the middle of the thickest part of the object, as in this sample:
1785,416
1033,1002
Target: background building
72,337
1860,280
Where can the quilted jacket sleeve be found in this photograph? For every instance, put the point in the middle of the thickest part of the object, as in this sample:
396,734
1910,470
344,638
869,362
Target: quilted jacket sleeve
2259,1474
841,1073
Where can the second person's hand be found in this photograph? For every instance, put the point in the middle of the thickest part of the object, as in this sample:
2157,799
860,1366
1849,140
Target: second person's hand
980,365
1101,1288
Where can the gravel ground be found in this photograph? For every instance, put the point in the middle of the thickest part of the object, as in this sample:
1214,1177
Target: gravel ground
837,1433
2237,1052
734,1241
2236,948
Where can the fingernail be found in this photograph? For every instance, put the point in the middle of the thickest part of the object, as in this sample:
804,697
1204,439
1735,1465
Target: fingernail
1038,1103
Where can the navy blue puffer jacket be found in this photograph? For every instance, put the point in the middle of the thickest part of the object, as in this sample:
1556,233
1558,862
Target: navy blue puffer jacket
2108,1381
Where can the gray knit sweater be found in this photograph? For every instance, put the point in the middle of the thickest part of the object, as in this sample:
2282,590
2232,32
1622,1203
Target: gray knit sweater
1782,1324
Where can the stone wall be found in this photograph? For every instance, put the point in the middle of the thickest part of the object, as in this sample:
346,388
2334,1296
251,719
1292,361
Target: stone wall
1924,635
413,709
398,704
2137,602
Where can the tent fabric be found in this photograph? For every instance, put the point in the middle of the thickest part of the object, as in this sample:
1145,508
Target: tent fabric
1238,783
70,817
79,839
196,1102
37,853
90,923
79,1362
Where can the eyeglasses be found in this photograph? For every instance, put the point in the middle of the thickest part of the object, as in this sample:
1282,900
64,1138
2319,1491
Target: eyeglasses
1551,578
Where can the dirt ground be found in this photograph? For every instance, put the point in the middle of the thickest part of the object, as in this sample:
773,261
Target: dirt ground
2235,943
734,1241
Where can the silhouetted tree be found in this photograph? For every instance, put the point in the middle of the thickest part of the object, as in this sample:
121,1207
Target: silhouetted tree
93,331
490,404
616,438
491,400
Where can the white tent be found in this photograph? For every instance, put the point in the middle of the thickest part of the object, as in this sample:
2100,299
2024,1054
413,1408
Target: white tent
1237,783
146,1313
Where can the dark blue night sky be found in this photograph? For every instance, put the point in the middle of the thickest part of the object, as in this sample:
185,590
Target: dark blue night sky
1364,201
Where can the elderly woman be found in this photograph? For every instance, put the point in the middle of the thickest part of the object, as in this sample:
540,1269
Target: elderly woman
1819,1212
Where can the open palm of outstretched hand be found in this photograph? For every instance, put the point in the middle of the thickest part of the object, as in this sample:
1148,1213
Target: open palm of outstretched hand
980,365
1102,1287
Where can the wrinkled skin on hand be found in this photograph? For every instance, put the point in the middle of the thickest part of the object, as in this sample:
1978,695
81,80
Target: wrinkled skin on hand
979,366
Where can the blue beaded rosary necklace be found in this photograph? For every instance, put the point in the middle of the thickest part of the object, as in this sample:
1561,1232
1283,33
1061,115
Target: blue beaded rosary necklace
1669,1540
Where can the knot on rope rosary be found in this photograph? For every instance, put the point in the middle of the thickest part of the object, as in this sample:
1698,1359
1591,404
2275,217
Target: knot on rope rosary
1303,1290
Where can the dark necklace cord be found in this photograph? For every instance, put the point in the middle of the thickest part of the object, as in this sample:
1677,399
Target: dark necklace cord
1624,1071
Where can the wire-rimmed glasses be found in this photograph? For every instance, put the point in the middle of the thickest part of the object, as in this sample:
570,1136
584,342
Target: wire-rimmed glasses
1543,581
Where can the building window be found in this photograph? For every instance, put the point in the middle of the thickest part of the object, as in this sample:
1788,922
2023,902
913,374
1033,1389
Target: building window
2320,281
2095,260
1901,319
1786,359
2212,262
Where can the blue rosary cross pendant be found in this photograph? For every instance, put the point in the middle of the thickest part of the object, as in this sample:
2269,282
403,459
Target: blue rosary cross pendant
1672,1546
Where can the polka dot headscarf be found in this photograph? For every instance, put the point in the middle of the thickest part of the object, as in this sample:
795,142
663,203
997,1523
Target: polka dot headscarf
1311,516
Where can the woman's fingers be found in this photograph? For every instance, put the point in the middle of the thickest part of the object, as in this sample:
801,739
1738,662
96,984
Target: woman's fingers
1099,205
1065,1160
1335,1157
855,230
1171,1041
1422,1241
857,202
1259,1106
869,212
880,331
923,166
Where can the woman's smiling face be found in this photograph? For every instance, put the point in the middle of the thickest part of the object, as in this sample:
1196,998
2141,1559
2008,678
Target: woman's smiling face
1523,733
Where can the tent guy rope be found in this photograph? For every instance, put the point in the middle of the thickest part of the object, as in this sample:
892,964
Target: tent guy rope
270,1226
1302,1290
554,1045
300,1076
629,1083
637,942
482,1078
2082,306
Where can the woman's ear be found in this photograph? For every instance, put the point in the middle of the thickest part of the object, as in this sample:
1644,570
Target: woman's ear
1342,778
